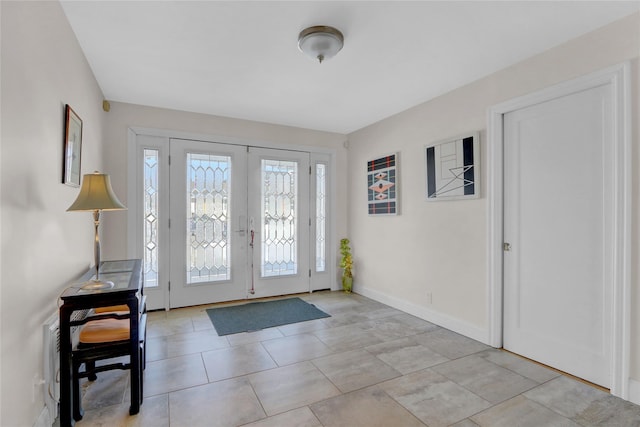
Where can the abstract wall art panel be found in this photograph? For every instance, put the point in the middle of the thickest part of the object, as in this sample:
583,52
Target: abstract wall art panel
382,185
453,169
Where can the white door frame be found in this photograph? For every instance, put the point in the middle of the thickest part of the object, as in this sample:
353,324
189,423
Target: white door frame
618,77
133,227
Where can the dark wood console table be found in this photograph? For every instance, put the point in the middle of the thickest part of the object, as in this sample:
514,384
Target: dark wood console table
127,277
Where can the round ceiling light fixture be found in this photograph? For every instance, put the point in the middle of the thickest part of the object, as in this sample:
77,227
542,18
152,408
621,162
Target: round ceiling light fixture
320,42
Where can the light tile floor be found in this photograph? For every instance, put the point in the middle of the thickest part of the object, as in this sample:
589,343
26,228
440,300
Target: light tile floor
367,365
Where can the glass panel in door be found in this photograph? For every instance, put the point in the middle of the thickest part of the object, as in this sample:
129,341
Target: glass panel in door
208,222
148,215
322,276
279,221
208,191
279,217
151,216
321,217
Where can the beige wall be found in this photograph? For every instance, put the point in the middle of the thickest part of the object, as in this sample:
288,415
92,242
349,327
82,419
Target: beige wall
442,247
122,117
43,246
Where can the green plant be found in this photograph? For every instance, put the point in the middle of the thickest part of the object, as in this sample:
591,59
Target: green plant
346,263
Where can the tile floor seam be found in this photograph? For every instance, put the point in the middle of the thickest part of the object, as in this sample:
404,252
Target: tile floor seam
491,405
315,414
326,377
522,375
270,355
547,407
553,409
243,375
258,398
468,389
206,371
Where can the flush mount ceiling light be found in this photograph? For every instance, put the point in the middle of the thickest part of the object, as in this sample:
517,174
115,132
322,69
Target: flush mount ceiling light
320,42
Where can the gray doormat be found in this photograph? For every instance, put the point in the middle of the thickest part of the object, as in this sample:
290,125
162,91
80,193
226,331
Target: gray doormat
260,315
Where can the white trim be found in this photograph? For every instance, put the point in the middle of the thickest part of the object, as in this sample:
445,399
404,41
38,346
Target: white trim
157,297
618,77
324,279
222,139
494,229
440,319
621,338
333,211
634,391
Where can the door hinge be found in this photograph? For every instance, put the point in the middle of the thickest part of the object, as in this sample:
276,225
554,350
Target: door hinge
169,222
309,272
169,285
169,157
309,170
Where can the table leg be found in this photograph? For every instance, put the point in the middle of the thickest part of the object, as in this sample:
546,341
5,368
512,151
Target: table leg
134,354
66,386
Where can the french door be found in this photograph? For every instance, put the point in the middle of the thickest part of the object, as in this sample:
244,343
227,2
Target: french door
279,222
208,215
227,222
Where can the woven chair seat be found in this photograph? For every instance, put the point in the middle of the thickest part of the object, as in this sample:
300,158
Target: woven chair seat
105,330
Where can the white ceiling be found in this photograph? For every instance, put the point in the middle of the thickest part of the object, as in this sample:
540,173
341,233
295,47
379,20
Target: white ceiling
240,59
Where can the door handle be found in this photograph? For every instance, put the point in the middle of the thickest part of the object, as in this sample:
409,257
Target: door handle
506,247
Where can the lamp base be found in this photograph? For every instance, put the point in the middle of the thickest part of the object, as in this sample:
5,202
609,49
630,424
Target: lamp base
96,285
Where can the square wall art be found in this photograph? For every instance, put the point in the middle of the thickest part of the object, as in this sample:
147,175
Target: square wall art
453,168
382,185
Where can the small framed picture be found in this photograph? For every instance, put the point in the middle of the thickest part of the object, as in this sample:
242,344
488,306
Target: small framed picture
452,168
72,148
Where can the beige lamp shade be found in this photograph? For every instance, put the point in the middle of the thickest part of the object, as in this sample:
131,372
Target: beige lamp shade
96,194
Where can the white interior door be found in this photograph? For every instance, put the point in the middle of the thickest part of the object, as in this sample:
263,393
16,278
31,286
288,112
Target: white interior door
279,222
208,222
558,221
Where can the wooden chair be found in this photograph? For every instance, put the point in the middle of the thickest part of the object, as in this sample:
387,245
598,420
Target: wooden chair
105,335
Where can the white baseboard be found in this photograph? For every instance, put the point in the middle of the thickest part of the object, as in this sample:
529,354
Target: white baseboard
440,319
634,391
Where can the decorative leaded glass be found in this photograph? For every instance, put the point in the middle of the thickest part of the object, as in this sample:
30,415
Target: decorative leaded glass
279,218
151,176
208,193
321,215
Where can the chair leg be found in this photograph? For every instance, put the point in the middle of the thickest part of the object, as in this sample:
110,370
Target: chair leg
78,413
91,366
143,363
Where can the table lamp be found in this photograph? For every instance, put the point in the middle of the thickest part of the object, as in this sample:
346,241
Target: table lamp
96,195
